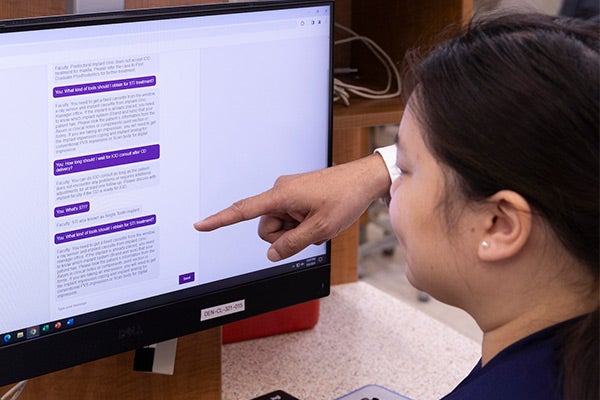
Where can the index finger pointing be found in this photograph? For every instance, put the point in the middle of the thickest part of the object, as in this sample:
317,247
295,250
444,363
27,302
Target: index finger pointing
239,211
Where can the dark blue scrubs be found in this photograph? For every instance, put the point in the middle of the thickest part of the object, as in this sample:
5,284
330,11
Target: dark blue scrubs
526,370
581,8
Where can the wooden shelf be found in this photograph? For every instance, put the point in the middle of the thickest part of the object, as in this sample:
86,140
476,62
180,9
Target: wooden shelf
363,113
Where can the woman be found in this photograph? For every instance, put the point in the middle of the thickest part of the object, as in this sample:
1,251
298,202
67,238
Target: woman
495,202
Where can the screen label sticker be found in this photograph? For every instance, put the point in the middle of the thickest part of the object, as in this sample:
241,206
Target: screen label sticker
222,310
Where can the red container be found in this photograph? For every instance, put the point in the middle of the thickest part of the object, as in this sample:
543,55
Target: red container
290,319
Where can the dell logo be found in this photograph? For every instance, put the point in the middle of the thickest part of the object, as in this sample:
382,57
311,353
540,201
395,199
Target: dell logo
130,331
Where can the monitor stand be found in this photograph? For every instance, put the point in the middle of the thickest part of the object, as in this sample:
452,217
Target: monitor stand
158,358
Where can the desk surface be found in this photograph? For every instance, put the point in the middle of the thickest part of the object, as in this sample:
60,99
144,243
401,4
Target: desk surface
364,336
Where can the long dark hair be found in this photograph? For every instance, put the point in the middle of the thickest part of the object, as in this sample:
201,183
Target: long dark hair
512,102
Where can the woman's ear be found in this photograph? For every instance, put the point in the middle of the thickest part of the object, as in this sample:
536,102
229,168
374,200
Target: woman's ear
507,226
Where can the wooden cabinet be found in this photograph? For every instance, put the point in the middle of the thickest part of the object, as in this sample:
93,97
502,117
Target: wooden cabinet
32,8
197,376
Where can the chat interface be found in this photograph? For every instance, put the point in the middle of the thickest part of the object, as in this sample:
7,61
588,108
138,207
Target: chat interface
117,138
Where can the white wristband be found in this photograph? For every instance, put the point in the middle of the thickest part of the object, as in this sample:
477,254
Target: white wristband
388,153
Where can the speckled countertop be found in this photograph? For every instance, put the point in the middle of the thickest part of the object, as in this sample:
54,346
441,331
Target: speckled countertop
364,336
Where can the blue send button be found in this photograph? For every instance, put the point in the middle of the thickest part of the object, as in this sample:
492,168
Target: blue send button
186,278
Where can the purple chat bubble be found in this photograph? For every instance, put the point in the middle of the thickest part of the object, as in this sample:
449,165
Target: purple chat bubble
77,208
105,86
106,159
104,229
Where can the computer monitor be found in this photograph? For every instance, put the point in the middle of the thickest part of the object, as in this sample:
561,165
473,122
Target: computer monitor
119,131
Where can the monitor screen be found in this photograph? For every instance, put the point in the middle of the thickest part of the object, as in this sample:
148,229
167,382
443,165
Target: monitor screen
120,130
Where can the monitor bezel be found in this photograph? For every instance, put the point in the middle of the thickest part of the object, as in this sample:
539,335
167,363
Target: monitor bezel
114,335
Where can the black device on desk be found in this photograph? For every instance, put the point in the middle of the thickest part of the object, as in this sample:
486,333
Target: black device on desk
120,130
